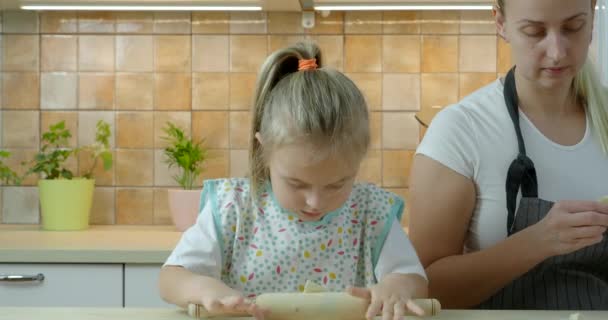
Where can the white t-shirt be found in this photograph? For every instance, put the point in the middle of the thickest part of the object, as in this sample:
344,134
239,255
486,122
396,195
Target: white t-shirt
198,250
476,138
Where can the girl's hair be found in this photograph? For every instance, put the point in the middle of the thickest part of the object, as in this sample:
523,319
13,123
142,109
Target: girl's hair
318,106
589,90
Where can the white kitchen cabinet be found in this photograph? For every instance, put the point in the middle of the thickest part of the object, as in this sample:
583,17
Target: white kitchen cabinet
64,285
141,286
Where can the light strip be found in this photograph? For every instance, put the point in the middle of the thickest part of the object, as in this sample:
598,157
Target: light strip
141,8
400,7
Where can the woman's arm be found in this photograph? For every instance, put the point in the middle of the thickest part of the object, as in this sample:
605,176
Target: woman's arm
441,204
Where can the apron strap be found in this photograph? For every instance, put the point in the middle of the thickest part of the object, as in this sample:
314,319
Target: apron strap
522,173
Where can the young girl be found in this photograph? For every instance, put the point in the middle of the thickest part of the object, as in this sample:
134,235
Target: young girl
300,216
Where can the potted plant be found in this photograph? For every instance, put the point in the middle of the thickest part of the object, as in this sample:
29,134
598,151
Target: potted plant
188,156
66,199
7,175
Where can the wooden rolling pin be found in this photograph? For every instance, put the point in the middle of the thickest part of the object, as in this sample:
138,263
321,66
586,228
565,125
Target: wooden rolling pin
305,306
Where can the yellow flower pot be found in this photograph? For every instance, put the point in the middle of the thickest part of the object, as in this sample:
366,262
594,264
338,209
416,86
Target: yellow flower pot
65,204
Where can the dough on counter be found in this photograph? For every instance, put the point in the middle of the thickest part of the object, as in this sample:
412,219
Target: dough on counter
575,316
312,287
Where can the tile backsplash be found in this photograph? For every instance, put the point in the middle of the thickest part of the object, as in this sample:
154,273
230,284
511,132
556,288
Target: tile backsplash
137,70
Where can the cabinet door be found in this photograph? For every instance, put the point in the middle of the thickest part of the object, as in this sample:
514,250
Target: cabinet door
61,285
141,286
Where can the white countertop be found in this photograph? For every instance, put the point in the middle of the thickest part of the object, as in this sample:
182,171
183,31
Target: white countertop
98,244
172,314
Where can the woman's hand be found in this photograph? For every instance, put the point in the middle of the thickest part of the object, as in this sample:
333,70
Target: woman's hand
393,296
570,226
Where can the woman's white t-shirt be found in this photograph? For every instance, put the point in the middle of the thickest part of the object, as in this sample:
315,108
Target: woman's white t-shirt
476,138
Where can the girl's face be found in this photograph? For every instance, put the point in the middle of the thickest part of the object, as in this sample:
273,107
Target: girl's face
308,185
549,38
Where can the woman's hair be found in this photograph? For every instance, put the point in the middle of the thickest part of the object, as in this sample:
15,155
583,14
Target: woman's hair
589,90
318,106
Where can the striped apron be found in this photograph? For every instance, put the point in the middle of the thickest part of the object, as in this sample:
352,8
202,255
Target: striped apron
574,281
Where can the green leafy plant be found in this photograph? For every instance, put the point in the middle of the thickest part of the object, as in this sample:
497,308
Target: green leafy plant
185,153
7,175
50,162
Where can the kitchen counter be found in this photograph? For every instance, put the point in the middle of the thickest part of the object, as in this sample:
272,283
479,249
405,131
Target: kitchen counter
98,244
171,314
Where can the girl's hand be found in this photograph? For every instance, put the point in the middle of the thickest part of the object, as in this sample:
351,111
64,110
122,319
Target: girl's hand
391,297
232,304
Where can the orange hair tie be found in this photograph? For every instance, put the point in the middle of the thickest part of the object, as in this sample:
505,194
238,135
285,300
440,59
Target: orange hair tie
307,64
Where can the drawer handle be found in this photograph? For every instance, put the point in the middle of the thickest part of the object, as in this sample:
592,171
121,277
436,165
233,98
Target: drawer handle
21,278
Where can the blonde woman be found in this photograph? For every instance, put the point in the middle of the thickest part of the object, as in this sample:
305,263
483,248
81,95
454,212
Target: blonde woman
505,184
299,216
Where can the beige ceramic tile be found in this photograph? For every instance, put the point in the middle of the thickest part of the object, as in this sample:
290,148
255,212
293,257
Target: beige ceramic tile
370,85
248,23
401,22
103,211
401,92
180,119
96,22
103,177
173,53
504,56
331,24
332,48
48,118
135,129
58,90
210,22
20,90
477,53
172,22
20,52
363,22
96,91
134,167
134,91
371,167
439,89
276,42
20,162
375,130
440,22
477,22
242,88
172,91
134,22
87,126
210,91
218,164
401,53
135,53
210,53
470,82
163,175
212,126
247,53
396,166
135,206
285,23
399,130
58,53
20,21
20,129
96,53
20,205
240,123
58,22
162,216
439,54
239,163
363,53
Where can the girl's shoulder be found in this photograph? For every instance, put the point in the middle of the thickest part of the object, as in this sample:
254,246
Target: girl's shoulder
372,199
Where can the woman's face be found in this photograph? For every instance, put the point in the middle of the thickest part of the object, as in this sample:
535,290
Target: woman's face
549,38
